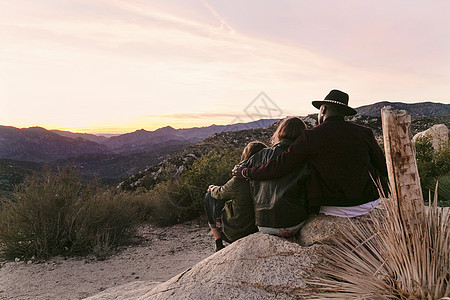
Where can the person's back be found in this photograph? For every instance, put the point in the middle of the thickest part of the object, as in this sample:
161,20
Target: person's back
280,202
229,208
341,161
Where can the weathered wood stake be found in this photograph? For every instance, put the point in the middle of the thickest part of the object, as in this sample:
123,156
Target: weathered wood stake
401,161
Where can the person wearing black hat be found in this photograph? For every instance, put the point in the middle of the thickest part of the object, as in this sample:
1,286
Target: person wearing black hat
344,160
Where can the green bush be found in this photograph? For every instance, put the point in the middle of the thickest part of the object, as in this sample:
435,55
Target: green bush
54,214
432,166
175,201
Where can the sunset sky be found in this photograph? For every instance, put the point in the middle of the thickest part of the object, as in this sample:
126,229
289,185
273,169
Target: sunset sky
112,66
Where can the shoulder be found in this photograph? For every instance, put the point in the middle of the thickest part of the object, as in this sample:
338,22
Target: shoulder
359,127
259,156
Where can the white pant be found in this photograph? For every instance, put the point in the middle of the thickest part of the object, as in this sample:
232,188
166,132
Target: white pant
349,211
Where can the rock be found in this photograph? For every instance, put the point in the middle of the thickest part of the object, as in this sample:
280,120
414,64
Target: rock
322,229
438,134
259,266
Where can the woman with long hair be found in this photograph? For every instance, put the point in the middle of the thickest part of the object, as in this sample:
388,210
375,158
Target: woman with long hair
280,204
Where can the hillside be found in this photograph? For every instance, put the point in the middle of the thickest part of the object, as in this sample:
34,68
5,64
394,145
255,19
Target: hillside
117,157
429,109
13,173
90,137
175,164
108,159
143,140
36,144
111,168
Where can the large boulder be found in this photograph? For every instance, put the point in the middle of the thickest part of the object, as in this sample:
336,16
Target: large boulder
438,134
259,266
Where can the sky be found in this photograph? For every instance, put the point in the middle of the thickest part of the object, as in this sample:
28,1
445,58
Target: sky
115,66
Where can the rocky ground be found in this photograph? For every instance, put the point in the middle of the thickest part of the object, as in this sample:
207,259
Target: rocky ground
159,254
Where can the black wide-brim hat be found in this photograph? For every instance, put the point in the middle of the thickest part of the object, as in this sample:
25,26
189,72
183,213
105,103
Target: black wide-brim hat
338,98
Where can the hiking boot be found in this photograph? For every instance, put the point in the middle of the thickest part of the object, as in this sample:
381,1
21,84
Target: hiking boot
219,245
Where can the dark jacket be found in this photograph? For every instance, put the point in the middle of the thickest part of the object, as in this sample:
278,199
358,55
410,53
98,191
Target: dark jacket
238,217
342,158
279,202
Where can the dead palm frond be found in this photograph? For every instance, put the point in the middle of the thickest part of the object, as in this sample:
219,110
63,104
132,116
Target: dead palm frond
393,256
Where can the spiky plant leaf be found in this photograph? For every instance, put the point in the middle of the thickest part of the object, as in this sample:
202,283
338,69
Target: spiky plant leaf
392,256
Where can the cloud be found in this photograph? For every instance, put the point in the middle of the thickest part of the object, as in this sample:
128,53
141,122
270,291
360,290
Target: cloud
109,61
223,23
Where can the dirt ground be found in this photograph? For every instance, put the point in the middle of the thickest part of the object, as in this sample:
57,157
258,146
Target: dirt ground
159,254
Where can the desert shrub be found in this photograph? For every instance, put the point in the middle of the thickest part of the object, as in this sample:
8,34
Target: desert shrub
433,166
175,201
392,256
55,214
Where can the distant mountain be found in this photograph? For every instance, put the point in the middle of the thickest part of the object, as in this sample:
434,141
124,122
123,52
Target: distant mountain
115,157
37,144
143,140
100,157
90,137
428,109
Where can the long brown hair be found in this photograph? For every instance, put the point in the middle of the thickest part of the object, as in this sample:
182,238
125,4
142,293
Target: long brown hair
252,148
289,128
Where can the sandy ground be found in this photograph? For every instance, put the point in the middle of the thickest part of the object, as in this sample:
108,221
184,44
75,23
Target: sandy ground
160,254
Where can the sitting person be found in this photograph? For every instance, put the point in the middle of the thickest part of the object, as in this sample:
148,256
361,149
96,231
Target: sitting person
229,208
280,204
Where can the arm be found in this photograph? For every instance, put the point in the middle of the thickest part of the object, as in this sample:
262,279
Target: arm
224,192
283,164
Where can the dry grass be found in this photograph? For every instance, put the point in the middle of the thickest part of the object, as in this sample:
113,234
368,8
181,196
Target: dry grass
55,214
395,256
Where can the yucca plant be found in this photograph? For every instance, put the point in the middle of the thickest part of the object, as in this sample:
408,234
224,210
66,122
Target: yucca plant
443,189
393,256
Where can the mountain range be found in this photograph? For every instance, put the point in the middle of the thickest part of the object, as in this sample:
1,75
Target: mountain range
100,157
425,109
118,157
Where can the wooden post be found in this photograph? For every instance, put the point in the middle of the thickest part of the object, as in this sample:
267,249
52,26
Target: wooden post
401,161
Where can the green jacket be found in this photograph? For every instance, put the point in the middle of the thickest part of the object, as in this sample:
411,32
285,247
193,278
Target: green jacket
238,216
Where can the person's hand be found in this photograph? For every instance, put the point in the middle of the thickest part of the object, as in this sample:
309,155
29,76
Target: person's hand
209,188
238,171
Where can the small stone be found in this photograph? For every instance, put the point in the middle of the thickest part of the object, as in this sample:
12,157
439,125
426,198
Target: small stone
29,262
17,259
